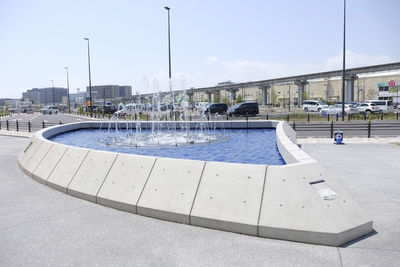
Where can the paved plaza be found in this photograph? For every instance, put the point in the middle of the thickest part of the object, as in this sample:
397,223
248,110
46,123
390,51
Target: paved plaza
40,226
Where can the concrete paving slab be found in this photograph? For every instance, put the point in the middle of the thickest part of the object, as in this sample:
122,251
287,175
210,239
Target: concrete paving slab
122,186
171,189
369,257
90,176
48,163
65,170
229,197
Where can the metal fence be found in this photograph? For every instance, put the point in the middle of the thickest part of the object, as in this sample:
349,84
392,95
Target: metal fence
24,126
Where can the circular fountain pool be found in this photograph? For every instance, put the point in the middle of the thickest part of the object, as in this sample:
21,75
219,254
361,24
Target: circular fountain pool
255,146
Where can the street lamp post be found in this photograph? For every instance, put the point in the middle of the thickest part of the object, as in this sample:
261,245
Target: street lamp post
289,98
52,81
69,103
344,55
169,55
90,79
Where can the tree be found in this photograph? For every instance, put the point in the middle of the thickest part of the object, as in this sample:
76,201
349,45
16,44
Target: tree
239,98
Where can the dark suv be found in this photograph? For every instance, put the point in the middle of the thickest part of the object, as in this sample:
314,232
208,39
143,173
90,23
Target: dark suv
219,108
244,108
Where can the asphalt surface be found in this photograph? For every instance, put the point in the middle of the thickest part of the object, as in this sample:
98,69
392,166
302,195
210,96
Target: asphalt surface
43,227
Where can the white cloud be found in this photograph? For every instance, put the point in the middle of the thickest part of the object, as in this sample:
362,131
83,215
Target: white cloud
210,60
213,70
355,60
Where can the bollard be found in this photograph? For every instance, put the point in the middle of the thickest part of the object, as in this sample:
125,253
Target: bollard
7,125
43,126
29,126
337,116
147,117
381,116
397,117
348,117
247,122
294,125
369,129
267,116
0,124
308,117
331,129
190,117
287,117
16,124
365,116
329,119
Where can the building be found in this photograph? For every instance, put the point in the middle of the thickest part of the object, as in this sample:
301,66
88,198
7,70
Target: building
45,96
107,92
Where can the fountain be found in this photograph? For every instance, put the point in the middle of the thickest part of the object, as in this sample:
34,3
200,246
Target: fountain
298,201
163,134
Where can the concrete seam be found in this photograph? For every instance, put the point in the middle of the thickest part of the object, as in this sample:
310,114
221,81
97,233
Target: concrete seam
66,188
195,195
42,159
33,153
105,177
148,177
262,198
56,164
340,257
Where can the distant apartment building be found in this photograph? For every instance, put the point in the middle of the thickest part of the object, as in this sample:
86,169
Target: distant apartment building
45,96
102,92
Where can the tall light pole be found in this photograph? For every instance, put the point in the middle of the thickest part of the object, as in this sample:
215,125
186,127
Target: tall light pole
344,55
169,55
53,92
69,103
90,78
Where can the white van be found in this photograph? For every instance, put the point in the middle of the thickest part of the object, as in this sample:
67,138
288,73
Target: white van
313,105
385,106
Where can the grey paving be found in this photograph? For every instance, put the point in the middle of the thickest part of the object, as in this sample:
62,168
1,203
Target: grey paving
40,226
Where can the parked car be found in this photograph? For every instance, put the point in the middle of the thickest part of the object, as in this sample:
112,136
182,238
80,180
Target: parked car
313,105
109,109
368,108
385,106
213,108
49,110
337,109
244,108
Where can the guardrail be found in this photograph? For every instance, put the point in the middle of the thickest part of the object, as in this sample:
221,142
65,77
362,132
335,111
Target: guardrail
25,126
358,128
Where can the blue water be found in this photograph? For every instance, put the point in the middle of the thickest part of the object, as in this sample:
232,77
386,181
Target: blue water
254,146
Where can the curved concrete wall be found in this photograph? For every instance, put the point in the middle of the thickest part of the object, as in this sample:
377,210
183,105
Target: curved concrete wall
299,201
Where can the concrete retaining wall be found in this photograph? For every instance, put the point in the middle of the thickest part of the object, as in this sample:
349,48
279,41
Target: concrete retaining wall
299,201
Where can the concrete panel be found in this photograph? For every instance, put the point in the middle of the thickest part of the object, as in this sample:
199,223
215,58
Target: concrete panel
35,160
293,209
29,150
125,182
229,197
91,174
171,189
66,168
49,162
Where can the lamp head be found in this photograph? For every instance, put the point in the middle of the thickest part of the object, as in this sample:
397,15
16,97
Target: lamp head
87,39
167,8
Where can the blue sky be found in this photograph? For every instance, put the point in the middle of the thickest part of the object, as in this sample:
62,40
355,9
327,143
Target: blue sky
211,41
